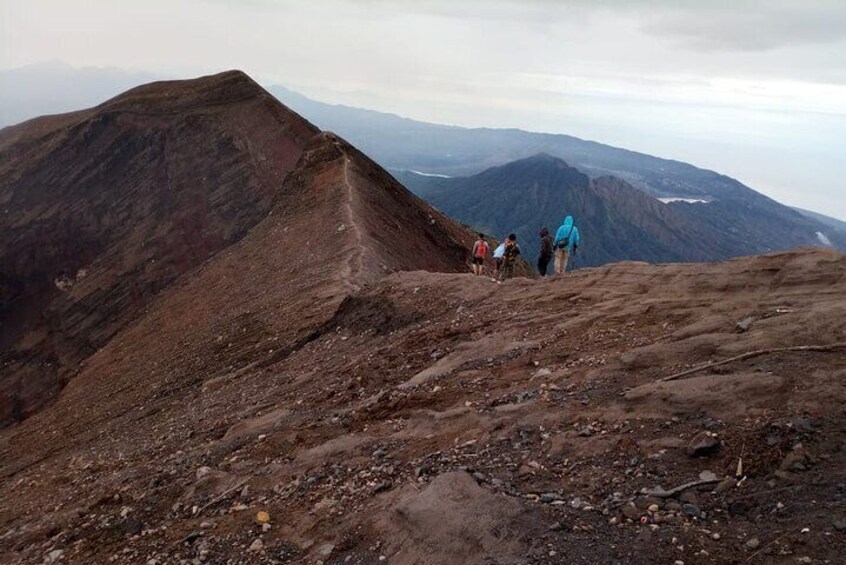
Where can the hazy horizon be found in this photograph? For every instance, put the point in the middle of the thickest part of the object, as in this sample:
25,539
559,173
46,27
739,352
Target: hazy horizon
754,92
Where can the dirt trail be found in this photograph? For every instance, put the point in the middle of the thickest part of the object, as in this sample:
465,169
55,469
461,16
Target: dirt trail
354,263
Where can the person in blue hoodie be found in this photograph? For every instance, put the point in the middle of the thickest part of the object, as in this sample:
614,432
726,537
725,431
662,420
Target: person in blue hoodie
566,243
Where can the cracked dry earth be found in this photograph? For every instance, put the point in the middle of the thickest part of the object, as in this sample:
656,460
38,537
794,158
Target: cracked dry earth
441,418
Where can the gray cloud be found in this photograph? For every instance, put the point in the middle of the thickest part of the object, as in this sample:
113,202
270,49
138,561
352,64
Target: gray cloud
697,80
751,26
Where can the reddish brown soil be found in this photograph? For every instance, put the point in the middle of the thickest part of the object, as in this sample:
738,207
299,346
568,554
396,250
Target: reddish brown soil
441,418
104,210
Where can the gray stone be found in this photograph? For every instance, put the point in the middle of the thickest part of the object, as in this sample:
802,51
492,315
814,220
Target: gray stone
256,546
744,324
725,485
691,510
702,444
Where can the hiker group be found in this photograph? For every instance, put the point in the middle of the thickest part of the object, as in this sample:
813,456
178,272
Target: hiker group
560,248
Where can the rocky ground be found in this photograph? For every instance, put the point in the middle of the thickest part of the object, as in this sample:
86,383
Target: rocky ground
443,418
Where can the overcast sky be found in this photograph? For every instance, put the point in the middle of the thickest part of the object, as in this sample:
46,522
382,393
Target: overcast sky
756,90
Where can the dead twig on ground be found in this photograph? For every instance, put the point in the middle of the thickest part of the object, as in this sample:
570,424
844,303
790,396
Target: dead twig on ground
661,493
222,496
750,354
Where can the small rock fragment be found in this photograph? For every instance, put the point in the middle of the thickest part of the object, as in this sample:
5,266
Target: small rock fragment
702,444
256,546
744,324
691,510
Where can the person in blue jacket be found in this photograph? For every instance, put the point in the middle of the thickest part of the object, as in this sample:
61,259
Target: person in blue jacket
566,242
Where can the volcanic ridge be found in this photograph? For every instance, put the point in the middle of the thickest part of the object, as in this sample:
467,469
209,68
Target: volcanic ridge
228,337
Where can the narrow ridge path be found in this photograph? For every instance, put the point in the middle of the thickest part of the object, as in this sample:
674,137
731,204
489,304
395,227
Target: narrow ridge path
355,260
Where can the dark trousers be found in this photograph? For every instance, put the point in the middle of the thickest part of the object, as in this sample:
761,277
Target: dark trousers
543,263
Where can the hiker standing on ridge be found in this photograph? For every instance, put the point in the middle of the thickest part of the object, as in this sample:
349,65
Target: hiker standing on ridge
480,252
566,242
545,255
497,255
509,257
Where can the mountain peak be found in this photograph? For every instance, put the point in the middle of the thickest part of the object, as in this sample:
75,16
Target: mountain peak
111,206
171,96
543,158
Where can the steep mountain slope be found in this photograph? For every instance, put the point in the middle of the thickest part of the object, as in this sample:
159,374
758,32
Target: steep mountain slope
105,209
833,223
442,418
617,221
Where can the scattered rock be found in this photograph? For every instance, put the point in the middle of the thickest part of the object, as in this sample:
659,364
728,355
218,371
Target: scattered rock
190,538
753,544
130,526
796,460
691,510
54,556
262,517
631,512
702,444
725,485
744,324
802,425
548,497
381,487
256,546
202,472
542,373
326,549
707,476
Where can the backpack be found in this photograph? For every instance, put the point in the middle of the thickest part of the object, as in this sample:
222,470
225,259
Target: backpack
481,249
511,251
564,243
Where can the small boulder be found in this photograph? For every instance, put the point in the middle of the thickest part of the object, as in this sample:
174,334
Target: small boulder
691,510
702,444
744,324
256,546
542,373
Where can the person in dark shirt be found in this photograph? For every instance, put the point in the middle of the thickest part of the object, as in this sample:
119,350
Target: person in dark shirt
545,251
509,258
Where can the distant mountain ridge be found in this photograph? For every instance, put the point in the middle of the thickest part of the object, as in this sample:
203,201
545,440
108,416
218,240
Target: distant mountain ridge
617,221
394,142
404,144
744,221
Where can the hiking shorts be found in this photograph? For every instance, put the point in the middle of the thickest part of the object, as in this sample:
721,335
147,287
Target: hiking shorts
478,260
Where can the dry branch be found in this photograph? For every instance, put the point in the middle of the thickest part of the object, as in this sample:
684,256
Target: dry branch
659,492
750,354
